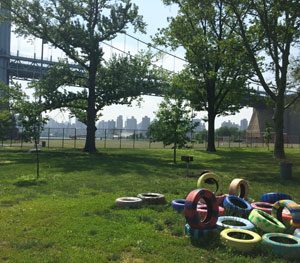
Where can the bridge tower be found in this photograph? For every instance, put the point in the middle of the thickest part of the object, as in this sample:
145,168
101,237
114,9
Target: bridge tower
5,29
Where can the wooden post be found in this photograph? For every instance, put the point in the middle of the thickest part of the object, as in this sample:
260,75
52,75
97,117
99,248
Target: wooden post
63,139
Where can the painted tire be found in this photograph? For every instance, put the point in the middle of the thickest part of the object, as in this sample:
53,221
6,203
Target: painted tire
203,210
152,198
193,216
263,206
247,225
197,233
178,204
274,197
297,232
266,222
292,207
211,177
291,251
236,205
243,245
239,187
129,202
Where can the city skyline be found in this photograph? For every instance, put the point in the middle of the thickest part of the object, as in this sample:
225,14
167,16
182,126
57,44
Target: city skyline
132,124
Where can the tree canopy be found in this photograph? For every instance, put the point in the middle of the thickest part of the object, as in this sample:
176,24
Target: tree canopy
269,30
77,28
217,71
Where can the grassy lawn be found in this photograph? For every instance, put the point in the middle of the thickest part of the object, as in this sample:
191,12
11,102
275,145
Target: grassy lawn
70,215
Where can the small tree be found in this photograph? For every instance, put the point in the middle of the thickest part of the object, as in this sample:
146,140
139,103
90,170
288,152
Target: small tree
29,115
268,135
5,123
174,123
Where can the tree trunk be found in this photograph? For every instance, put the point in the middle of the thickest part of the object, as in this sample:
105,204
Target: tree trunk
278,127
174,153
90,145
37,160
211,133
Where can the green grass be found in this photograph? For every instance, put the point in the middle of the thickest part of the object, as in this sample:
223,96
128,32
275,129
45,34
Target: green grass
70,216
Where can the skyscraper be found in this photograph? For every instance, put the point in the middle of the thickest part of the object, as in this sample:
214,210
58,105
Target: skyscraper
244,124
131,123
145,123
120,122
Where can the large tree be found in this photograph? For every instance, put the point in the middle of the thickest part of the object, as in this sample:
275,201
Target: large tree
269,29
217,70
77,27
119,80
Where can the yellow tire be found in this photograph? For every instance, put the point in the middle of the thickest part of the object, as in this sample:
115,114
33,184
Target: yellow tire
202,181
243,245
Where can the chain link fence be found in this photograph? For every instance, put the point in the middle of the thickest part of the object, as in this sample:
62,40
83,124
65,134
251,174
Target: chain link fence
139,139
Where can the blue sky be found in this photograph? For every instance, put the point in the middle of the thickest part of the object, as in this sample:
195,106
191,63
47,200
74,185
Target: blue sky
155,15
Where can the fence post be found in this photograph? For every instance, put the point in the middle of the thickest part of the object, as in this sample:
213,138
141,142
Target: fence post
11,135
75,137
133,139
21,138
63,139
251,140
150,140
218,141
229,140
120,138
105,138
49,137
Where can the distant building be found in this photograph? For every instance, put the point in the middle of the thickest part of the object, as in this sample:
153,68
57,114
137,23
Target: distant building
145,123
102,125
229,124
131,123
111,124
244,124
200,127
120,122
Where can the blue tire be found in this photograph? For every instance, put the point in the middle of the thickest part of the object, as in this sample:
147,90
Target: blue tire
235,205
178,204
285,250
274,197
244,223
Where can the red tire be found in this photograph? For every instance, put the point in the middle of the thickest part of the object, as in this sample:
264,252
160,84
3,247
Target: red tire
192,215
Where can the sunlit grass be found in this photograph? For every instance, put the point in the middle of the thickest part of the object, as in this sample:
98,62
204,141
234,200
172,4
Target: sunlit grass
70,216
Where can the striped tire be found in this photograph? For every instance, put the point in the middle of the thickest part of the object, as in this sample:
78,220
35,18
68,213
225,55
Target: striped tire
274,197
286,250
263,206
239,187
293,208
203,210
243,245
192,215
208,178
266,222
297,232
178,204
197,233
152,198
244,223
236,206
129,202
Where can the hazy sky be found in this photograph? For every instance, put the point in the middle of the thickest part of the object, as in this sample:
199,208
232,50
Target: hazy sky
155,15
